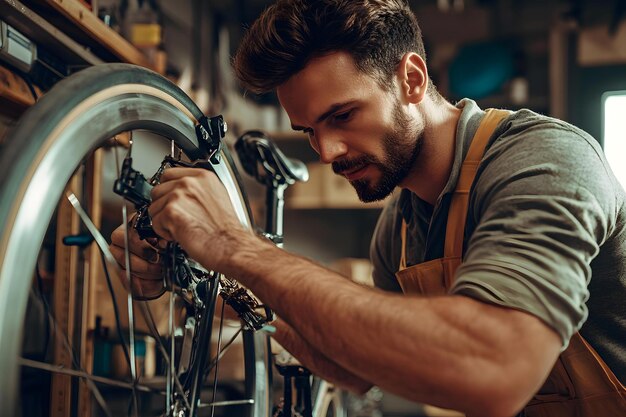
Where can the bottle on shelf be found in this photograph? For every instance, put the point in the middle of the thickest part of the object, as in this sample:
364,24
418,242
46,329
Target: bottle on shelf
142,26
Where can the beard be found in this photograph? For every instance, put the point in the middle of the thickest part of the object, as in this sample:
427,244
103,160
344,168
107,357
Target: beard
401,148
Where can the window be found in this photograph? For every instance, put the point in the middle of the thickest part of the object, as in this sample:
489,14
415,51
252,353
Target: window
614,132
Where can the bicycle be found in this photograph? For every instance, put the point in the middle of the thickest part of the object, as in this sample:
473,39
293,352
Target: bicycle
85,111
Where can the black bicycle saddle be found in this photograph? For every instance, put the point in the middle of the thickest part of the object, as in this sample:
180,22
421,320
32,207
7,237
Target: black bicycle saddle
261,158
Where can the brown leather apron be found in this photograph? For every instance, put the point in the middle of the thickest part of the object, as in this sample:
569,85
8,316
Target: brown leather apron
580,384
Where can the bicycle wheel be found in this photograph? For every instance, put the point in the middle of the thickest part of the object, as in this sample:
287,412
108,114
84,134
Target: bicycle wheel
328,400
42,153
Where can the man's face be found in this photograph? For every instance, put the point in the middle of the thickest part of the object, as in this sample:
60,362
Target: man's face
353,123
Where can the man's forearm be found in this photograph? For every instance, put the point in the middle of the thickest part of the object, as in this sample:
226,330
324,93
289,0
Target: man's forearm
449,351
364,330
314,360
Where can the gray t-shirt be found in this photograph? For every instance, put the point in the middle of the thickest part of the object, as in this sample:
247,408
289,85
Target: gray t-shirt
545,232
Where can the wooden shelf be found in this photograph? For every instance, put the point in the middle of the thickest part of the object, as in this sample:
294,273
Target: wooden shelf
79,24
46,35
15,97
596,46
75,13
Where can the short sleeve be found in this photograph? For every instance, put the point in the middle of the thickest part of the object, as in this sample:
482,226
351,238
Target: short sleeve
541,206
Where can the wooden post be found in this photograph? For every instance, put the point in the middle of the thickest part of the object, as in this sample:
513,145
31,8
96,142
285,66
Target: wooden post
558,67
65,275
93,270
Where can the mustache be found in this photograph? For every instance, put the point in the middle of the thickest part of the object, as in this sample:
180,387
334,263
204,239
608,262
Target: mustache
349,164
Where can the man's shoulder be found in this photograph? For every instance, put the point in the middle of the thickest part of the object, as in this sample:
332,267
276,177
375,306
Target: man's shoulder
526,123
526,139
539,157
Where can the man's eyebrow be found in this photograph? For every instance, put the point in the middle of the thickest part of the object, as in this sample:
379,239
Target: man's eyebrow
332,109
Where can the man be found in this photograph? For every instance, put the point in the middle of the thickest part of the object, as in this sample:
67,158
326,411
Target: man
546,225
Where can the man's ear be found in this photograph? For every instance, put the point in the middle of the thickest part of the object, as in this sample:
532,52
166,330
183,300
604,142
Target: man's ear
413,76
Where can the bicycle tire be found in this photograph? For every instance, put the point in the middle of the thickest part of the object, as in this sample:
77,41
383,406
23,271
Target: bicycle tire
80,113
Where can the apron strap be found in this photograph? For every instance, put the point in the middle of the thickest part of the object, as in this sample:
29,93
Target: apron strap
457,214
403,253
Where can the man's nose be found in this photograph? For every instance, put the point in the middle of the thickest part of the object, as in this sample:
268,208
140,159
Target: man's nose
330,147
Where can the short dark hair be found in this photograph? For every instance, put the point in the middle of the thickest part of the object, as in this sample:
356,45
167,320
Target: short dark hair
289,33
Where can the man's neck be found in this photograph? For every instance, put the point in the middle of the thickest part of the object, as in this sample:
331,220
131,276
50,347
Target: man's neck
432,168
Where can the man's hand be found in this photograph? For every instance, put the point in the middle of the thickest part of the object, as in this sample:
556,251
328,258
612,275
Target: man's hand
191,206
145,265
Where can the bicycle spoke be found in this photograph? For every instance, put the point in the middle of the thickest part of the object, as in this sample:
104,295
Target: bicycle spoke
223,351
226,403
95,233
59,369
129,299
116,310
171,371
219,347
147,315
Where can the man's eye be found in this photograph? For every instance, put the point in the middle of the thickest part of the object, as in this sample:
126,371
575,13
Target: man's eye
342,117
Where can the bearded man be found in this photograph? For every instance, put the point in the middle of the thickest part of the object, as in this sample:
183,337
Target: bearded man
501,267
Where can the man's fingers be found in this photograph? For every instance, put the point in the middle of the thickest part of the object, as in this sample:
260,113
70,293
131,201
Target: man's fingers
147,289
117,237
139,247
165,213
179,172
148,269
162,189
196,181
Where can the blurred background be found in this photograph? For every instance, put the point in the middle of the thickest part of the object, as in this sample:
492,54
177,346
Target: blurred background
564,58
